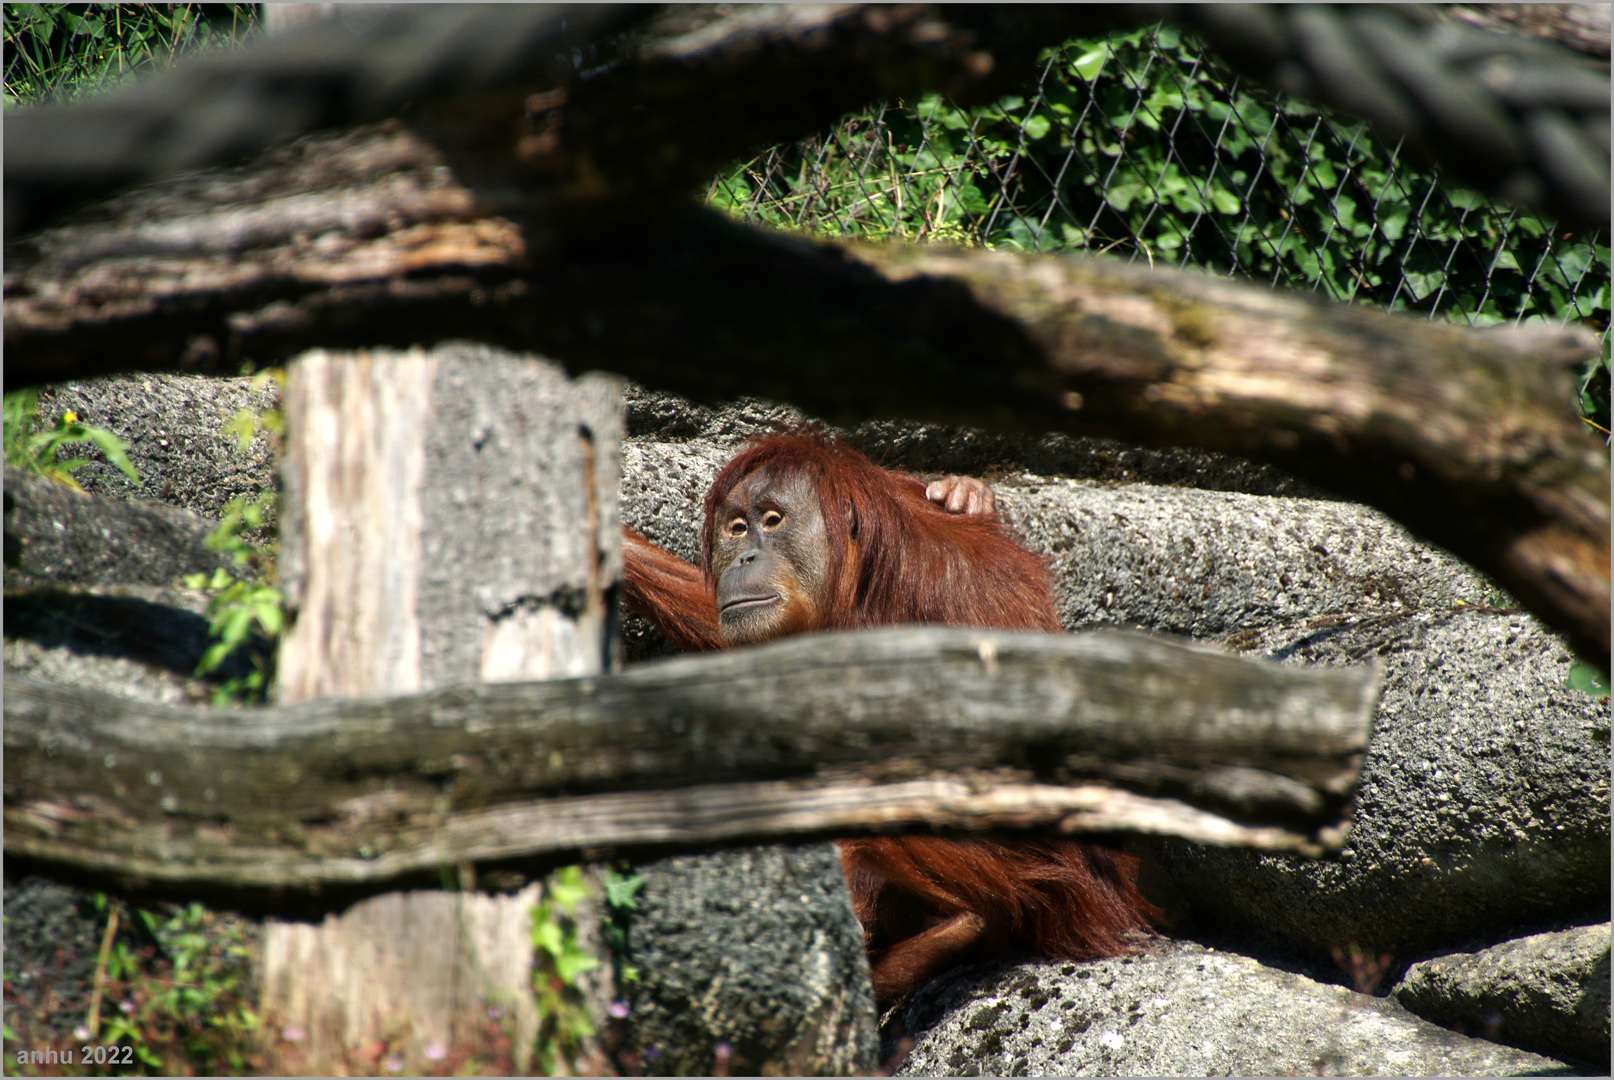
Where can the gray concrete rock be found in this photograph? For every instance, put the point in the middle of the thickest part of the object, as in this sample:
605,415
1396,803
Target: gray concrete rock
745,951
1546,992
94,597
1483,805
70,538
1198,563
661,417
1181,1010
53,936
1209,563
935,448
138,641
1175,560
172,425
1484,802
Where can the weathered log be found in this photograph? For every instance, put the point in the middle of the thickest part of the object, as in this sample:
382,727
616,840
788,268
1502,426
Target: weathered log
465,71
1582,27
817,736
368,239
1466,436
697,87
217,108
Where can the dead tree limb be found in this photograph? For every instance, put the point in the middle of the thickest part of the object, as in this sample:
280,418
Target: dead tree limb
1103,732
1582,27
568,236
1465,436
219,108
691,90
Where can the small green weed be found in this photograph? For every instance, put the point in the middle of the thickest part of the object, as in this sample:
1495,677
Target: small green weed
621,886
36,450
176,1005
563,1021
247,423
237,606
1587,679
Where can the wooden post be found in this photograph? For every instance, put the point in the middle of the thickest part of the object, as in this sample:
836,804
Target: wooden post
278,18
448,516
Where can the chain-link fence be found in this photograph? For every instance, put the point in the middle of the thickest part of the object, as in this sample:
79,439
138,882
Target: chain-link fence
1142,145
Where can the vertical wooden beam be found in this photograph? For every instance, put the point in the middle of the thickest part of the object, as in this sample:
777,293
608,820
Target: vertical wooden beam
278,18
449,516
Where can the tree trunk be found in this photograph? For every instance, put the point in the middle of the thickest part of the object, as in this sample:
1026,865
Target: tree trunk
449,516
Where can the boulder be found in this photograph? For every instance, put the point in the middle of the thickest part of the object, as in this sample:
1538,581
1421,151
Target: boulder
137,641
1545,992
173,425
53,937
56,534
1482,809
750,962
93,596
1179,1010
1482,814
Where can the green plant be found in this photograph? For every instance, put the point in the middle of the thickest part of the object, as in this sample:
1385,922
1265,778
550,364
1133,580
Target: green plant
171,997
621,886
246,424
36,450
1142,145
1594,391
191,1005
563,1021
58,53
1587,679
237,605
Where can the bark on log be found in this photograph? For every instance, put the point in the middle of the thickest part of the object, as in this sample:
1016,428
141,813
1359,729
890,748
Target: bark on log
367,239
642,119
783,71
1466,436
220,107
1582,27
314,804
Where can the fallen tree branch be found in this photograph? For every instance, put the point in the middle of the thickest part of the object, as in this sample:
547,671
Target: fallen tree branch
217,108
954,728
368,239
1465,436
695,87
1581,27
517,841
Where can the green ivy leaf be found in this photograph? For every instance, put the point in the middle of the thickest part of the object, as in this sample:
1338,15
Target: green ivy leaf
567,888
267,608
971,200
569,965
1587,679
546,935
620,890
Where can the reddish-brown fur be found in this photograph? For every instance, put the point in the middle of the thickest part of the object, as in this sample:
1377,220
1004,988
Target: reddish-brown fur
669,592
925,902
